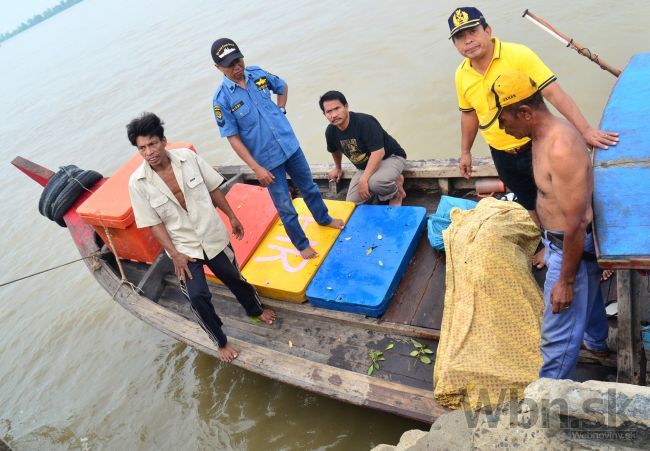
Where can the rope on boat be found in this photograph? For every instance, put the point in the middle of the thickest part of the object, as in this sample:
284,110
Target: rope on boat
90,179
93,255
59,195
123,279
111,247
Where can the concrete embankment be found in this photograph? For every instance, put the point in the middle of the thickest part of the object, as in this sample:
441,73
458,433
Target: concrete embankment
554,415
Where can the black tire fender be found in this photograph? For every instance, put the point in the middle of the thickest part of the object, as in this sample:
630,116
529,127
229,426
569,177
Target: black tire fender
71,192
54,186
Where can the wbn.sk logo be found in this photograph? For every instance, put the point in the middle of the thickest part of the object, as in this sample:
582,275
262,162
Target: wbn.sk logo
602,414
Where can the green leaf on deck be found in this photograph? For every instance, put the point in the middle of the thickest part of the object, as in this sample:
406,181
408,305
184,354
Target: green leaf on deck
390,346
425,359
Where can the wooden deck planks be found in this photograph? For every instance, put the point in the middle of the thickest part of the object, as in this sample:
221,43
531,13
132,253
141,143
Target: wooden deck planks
420,297
318,339
341,384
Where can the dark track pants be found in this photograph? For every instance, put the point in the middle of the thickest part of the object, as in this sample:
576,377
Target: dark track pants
224,266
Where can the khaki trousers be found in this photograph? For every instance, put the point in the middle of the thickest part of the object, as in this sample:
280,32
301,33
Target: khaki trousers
381,184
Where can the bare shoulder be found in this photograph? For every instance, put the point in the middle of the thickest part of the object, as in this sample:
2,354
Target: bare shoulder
567,144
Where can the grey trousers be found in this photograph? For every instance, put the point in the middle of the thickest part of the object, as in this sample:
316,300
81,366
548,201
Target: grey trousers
382,182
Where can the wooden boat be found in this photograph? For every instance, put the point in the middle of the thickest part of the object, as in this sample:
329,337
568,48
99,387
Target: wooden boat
319,350
327,352
621,224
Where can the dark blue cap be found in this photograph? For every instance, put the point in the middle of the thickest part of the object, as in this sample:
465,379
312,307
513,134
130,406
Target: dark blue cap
224,51
465,17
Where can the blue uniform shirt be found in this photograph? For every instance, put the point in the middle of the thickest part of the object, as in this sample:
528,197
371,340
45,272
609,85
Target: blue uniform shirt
255,117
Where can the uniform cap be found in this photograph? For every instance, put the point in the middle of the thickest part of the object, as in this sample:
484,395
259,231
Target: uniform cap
465,17
224,51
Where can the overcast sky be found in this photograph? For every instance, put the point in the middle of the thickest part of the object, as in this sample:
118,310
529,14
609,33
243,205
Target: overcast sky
14,12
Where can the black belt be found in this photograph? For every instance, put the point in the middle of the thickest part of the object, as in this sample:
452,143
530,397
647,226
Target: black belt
557,238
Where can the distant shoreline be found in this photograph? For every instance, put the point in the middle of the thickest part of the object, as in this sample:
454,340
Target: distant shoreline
38,18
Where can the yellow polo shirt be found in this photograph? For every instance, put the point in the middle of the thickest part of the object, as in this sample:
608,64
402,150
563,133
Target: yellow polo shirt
194,230
472,87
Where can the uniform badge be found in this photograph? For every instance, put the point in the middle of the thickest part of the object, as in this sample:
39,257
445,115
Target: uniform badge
261,83
460,17
237,106
219,115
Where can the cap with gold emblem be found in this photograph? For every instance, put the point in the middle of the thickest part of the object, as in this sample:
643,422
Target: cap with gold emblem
224,51
465,17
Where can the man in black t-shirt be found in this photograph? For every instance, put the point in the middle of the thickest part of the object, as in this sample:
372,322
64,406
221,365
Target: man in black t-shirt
378,157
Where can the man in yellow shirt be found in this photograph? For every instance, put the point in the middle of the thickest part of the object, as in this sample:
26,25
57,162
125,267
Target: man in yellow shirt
486,58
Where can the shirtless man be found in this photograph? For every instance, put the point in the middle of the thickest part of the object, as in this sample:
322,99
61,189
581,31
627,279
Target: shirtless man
575,313
174,194
486,58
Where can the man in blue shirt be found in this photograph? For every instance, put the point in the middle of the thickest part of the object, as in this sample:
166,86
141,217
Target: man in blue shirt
259,132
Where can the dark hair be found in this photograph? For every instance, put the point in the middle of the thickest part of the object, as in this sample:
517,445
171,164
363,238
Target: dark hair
484,25
148,124
331,95
535,102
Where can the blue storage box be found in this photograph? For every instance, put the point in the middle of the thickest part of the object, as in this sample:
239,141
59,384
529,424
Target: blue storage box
368,260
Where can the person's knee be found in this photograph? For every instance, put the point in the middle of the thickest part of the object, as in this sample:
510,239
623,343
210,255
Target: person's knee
232,277
381,186
375,186
200,298
309,188
283,204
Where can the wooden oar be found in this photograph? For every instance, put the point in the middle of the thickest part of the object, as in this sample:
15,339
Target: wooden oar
569,42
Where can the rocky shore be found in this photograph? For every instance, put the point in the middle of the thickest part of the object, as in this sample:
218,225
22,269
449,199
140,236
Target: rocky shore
553,415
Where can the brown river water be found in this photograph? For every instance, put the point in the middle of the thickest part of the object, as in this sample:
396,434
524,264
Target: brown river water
79,372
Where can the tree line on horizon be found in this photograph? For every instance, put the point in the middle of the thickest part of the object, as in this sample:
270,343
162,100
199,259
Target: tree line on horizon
38,18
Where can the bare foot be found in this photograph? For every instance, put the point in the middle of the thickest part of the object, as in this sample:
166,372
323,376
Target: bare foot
268,316
396,201
538,259
227,354
336,224
607,273
308,253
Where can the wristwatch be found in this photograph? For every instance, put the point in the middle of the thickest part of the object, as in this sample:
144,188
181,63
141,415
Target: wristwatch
283,109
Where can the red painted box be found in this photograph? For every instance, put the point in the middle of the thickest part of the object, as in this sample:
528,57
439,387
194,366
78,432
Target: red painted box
255,210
